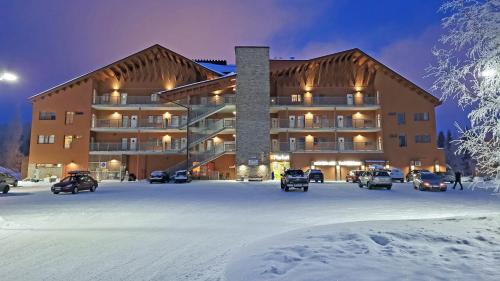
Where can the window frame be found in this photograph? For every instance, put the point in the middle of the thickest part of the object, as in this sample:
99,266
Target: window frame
69,117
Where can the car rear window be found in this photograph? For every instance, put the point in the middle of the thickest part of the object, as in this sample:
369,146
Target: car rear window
156,174
429,176
296,173
315,171
380,174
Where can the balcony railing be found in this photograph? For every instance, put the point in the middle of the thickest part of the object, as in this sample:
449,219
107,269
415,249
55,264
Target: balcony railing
322,124
325,146
141,147
322,101
139,124
155,100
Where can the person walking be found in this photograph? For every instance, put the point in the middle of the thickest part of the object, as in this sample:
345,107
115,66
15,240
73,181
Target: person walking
458,179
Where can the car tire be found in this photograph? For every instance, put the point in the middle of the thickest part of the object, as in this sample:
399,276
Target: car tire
15,183
74,190
6,189
306,188
360,185
56,192
369,185
389,187
402,180
93,188
421,188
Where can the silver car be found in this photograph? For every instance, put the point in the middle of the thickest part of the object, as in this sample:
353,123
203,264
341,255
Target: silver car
373,179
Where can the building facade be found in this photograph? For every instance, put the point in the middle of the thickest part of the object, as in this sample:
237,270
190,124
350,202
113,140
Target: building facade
157,110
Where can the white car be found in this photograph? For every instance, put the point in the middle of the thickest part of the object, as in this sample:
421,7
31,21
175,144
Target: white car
396,175
182,176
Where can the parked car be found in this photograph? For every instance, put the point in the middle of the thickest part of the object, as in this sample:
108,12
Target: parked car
411,175
182,176
8,179
429,181
373,179
294,179
4,187
315,175
159,176
396,174
353,176
446,176
75,182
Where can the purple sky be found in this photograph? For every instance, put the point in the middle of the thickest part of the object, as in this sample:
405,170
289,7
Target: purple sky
49,42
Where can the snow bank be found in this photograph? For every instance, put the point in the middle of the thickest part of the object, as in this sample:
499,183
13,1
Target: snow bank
446,249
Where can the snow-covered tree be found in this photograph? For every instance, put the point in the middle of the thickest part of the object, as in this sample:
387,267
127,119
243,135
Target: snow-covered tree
468,69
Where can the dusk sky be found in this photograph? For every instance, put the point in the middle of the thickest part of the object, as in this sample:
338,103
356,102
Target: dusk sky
49,42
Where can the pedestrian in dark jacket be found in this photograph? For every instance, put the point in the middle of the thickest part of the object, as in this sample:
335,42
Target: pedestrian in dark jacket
458,179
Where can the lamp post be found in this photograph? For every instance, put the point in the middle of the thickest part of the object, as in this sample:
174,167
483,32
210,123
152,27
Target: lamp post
8,77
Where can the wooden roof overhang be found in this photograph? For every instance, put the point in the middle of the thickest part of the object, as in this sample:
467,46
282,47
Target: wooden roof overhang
351,67
199,88
150,64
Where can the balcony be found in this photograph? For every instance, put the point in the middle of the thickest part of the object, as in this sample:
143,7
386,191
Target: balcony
334,147
367,125
120,125
129,148
148,101
368,101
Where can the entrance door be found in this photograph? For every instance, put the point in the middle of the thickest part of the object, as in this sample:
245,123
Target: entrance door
350,99
125,121
300,121
341,143
133,143
124,143
123,98
133,121
340,121
175,121
291,120
293,144
275,145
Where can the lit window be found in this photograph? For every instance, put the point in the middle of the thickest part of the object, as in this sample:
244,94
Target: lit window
296,98
43,139
67,141
70,115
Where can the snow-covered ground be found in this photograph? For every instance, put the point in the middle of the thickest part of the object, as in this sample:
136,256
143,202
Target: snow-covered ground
248,231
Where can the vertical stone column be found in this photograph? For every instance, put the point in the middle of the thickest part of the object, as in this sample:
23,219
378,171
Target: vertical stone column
252,112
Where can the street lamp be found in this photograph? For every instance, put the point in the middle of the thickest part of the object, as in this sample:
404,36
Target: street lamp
8,77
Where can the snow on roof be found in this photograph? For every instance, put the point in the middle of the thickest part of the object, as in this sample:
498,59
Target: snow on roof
222,69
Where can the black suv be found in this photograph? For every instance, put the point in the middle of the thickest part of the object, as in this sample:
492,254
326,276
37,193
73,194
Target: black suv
76,181
159,176
294,179
315,175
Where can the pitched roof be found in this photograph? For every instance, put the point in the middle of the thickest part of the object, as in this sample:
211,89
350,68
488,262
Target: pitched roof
361,58
121,67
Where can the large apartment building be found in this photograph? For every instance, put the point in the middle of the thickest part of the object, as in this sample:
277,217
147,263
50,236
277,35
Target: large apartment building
158,110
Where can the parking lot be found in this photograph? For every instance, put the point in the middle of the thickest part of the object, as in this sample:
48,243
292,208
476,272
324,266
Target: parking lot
138,231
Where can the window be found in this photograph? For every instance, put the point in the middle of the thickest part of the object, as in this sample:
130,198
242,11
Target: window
67,141
402,140
45,115
401,118
151,119
44,139
70,115
155,97
421,116
422,138
296,98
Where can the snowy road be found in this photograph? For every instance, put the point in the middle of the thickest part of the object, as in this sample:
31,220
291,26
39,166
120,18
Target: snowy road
137,231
